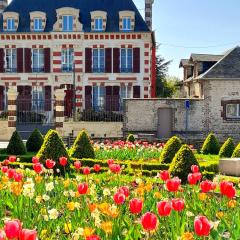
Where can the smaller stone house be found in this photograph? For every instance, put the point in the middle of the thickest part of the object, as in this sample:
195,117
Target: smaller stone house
210,101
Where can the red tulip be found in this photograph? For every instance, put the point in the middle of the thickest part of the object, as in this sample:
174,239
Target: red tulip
135,205
6,162
2,235
12,229
194,168
18,177
77,165
115,168
50,163
164,175
192,180
96,167
119,198
124,190
35,159
27,234
38,168
82,188
164,208
93,237
206,186
202,226
12,158
227,189
149,221
63,161
11,173
173,184
110,161
4,169
86,170
214,185
177,204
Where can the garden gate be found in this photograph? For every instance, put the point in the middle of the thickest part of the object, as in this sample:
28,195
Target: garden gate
165,122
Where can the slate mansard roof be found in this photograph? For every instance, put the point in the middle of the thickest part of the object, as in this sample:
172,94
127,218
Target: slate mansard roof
112,7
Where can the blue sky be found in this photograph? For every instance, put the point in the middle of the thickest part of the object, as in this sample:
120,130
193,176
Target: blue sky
194,26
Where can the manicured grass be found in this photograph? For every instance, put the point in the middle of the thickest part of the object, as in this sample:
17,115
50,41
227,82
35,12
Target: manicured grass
207,158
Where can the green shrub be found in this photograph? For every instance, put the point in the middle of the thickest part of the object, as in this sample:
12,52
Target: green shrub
34,141
209,167
131,138
170,149
236,152
208,175
210,145
182,162
82,147
227,148
53,148
16,145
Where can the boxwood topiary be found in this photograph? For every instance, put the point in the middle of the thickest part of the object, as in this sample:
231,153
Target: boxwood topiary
182,162
131,138
53,148
227,148
82,147
16,145
34,141
236,152
210,145
170,149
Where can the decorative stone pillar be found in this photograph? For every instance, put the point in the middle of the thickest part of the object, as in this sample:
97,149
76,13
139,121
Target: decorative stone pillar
59,94
12,107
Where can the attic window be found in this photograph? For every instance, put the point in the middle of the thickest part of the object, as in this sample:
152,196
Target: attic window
68,23
11,24
98,26
37,24
126,20
126,24
98,20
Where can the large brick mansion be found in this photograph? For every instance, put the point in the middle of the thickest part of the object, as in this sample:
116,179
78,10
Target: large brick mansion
99,51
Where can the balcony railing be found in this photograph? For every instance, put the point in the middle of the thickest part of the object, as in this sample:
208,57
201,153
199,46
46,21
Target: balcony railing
67,68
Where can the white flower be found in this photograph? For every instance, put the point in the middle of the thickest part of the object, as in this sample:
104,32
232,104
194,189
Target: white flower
53,213
106,192
45,197
45,217
65,193
49,186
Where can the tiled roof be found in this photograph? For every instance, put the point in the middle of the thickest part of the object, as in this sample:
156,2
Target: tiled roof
112,7
227,67
205,57
185,62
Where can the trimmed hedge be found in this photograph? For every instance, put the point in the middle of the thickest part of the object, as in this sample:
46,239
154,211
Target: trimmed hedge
210,145
53,148
34,141
82,147
182,162
170,149
16,145
236,152
227,148
131,138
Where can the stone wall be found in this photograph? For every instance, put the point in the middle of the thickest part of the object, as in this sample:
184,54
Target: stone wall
5,131
142,115
94,129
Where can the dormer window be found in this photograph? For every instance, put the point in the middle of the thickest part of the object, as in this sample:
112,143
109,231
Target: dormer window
98,20
37,21
98,24
126,24
10,24
126,20
67,23
37,24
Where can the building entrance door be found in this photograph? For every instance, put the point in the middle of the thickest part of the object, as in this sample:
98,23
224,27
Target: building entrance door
165,121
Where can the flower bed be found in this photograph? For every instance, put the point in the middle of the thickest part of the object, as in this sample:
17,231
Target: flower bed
110,205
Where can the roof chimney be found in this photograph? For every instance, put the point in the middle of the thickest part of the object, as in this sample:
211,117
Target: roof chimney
148,13
3,5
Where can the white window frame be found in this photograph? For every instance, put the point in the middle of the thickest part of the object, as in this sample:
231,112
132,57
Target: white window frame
238,111
97,25
67,59
69,28
127,27
98,68
12,24
127,70
39,24
100,99
38,101
39,67
13,66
